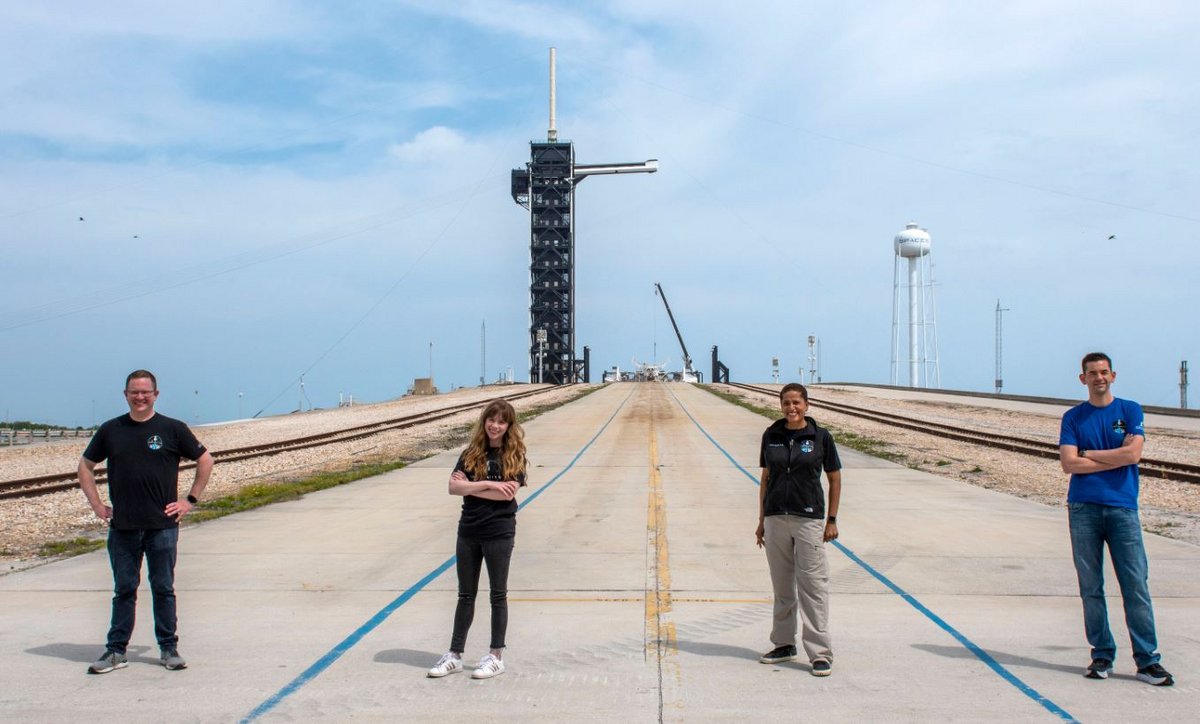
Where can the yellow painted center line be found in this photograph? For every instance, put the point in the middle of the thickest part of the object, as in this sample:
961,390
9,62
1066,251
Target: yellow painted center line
660,636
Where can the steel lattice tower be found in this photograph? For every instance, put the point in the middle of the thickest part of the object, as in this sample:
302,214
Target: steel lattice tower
546,187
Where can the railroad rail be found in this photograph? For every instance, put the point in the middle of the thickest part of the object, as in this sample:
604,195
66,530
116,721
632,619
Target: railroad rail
1162,469
46,484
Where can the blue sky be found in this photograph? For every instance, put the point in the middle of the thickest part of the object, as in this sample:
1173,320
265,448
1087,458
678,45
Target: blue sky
273,189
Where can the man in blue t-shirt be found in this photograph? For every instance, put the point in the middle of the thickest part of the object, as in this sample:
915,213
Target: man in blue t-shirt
1100,445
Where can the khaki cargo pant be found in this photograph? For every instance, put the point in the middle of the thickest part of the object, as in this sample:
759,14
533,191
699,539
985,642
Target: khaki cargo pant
800,576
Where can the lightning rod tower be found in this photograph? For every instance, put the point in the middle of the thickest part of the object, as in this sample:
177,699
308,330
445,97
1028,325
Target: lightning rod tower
546,188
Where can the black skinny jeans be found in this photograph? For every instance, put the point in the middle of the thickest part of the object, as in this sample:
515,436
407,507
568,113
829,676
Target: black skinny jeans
471,554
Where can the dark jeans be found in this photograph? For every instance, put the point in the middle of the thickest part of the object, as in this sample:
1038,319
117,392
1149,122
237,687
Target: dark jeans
125,551
471,554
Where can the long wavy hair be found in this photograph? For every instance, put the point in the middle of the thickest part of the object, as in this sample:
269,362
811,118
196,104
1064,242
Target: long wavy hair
512,447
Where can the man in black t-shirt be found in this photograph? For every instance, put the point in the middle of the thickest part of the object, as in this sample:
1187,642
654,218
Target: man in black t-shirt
143,450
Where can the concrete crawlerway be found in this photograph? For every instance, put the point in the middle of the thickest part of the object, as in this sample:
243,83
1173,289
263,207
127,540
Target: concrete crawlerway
637,594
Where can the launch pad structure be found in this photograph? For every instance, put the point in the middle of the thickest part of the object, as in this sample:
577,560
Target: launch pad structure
546,188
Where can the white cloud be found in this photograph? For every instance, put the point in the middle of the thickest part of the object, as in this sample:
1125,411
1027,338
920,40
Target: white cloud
794,140
429,145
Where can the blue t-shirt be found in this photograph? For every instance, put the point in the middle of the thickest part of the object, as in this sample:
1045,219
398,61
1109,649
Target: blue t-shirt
1088,427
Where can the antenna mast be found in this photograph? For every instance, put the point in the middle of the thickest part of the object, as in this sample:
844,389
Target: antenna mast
552,134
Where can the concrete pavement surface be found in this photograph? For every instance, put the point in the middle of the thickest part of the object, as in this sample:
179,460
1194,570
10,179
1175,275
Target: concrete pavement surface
636,594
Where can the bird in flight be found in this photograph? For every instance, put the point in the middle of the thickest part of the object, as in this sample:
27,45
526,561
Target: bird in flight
1111,237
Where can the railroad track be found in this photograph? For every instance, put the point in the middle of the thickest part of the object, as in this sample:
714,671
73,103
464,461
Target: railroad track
1163,469
45,484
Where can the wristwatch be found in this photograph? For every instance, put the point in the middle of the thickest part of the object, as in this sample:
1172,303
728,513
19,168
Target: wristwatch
831,519
192,499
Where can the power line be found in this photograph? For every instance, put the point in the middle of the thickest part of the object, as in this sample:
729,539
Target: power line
436,240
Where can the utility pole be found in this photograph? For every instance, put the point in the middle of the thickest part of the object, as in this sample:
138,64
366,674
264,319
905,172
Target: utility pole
482,352
999,344
1183,384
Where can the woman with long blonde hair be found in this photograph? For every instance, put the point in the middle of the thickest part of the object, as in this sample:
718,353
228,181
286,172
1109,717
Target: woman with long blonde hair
487,476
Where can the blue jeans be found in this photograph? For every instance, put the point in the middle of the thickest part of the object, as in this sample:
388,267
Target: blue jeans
1093,526
125,551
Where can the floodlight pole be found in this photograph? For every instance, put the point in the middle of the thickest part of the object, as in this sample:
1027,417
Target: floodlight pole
541,342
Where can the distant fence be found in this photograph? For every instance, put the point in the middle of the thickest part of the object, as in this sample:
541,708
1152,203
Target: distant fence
9,436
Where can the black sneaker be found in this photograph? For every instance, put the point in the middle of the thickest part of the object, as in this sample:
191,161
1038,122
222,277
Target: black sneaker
822,668
108,662
1155,675
1099,669
778,654
172,660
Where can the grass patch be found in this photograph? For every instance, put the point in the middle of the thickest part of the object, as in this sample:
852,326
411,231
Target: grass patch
975,469
869,445
260,494
942,463
527,415
844,438
771,412
461,435
70,547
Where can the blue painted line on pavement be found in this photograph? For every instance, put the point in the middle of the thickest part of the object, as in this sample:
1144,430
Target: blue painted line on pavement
979,653
323,663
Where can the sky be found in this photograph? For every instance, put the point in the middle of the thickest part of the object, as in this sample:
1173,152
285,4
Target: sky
245,196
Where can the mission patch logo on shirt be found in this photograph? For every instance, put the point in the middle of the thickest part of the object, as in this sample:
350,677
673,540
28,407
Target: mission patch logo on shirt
154,442
806,446
1118,426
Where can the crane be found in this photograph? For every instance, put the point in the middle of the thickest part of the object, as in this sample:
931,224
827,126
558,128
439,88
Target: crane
689,374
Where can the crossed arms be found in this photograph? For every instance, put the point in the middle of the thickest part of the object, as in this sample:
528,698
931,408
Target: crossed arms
1097,461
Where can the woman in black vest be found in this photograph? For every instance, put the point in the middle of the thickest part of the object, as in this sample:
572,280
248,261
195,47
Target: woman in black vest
794,525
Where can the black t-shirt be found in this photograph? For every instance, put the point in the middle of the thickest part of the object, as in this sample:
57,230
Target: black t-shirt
794,460
484,519
143,467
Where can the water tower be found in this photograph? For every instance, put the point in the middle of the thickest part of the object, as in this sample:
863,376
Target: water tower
913,250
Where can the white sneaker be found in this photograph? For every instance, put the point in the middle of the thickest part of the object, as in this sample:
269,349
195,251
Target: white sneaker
450,663
489,666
